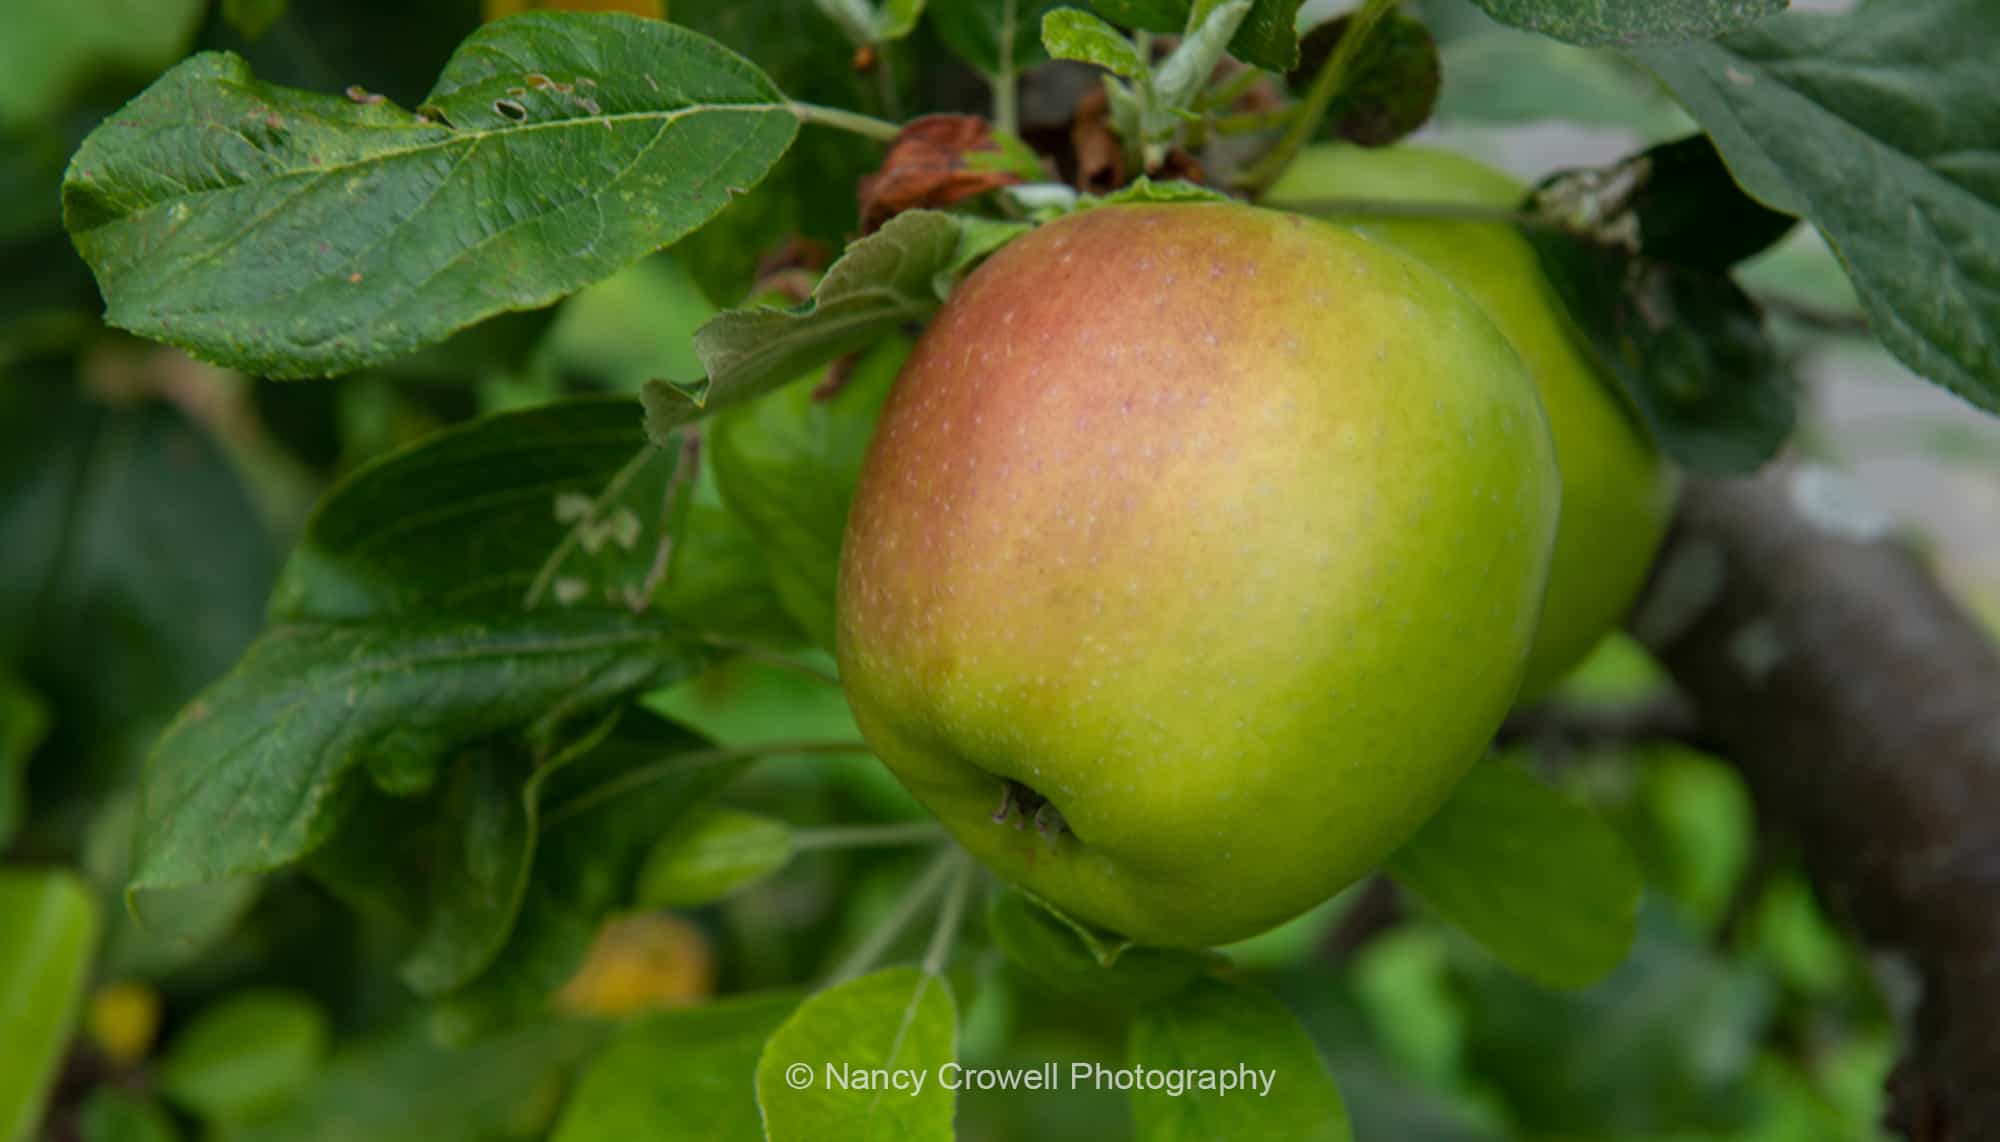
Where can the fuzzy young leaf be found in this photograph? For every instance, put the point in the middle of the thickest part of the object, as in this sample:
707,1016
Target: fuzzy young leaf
898,274
48,933
997,37
317,234
1267,37
896,1018
1627,22
1878,127
1073,34
1543,883
1223,1027
1183,73
680,1076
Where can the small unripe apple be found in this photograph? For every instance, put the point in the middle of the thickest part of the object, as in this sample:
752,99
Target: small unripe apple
1618,491
1195,558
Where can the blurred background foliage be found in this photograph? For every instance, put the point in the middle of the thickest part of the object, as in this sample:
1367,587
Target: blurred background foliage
146,500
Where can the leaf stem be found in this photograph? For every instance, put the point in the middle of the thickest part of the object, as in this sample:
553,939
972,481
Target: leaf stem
884,936
647,774
1006,101
866,126
1312,110
949,918
867,836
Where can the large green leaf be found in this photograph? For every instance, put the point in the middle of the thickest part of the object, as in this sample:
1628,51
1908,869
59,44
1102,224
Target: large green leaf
678,1076
319,234
1629,21
1881,127
787,466
899,1020
489,577
1282,1088
48,932
1542,882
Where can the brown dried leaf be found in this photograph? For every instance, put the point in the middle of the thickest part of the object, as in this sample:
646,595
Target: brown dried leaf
926,167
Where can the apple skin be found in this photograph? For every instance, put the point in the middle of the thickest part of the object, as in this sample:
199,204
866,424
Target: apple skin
1618,491
1221,529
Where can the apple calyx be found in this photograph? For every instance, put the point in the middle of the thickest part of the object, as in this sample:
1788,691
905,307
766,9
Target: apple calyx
1020,803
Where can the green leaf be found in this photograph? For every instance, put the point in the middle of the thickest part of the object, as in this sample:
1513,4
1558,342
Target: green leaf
997,37
1661,1048
1049,952
401,632
1145,190
24,718
1627,22
255,774
481,850
713,857
873,23
53,48
48,932
897,275
1182,74
1540,881
1243,1034
1875,126
155,932
598,815
321,234
111,1115
679,1076
408,1088
896,1020
245,1057
787,466
1391,84
1073,34
1267,37
1639,253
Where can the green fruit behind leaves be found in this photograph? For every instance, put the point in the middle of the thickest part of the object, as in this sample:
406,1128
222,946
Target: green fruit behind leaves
1618,492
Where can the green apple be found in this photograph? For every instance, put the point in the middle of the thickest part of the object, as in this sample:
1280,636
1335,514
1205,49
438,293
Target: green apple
1618,492
1195,558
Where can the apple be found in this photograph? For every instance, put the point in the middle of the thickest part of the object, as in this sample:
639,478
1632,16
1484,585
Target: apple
1618,492
1194,559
